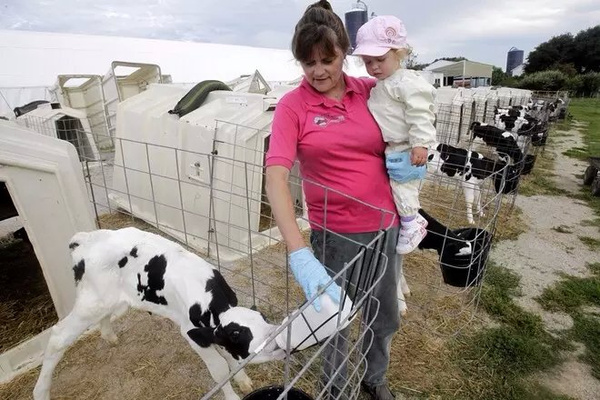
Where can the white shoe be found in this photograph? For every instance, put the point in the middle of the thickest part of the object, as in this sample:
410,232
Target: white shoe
409,239
421,221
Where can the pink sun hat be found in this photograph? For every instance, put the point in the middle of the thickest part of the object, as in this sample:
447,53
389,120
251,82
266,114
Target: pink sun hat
379,35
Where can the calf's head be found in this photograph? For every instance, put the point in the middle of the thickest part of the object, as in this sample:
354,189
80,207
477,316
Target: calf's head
241,332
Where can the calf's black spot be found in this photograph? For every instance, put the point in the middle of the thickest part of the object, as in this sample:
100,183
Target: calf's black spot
155,268
203,336
78,270
199,318
122,262
73,245
133,252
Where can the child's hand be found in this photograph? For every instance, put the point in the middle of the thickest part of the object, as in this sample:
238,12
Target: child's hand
418,156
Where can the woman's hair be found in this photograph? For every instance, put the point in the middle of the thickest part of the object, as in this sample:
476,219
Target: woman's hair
319,26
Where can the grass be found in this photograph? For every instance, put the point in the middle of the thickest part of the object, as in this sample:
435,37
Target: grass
571,295
500,360
592,243
588,110
580,153
540,181
591,222
586,330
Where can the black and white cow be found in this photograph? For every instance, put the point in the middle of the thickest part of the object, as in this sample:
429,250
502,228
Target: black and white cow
470,167
439,238
504,142
130,267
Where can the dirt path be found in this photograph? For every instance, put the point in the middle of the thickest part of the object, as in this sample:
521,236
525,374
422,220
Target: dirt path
541,253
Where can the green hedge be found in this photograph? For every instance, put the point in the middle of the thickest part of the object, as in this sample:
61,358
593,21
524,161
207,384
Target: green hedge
578,85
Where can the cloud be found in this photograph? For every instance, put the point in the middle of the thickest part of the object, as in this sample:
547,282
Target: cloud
483,30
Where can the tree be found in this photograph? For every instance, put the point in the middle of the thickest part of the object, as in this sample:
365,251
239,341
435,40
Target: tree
420,67
558,50
567,53
587,50
455,59
498,76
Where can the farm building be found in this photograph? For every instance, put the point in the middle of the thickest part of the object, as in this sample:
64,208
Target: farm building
463,73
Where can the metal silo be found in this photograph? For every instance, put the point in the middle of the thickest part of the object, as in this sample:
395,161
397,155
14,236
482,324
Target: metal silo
355,18
514,58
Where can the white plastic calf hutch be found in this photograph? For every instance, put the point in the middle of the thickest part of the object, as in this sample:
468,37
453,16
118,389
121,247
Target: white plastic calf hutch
84,92
163,165
63,123
43,177
124,80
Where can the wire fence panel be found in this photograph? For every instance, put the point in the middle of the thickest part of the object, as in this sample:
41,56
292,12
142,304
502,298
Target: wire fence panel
214,202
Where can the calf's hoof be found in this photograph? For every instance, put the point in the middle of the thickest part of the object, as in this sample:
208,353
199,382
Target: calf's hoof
245,385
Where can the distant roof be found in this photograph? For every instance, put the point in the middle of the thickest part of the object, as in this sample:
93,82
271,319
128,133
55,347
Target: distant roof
466,67
438,64
36,58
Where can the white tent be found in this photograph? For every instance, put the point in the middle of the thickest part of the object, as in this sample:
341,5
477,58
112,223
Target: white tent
44,180
34,59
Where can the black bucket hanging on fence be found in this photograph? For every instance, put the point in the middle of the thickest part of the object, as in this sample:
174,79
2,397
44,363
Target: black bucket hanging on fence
466,270
273,392
529,163
511,180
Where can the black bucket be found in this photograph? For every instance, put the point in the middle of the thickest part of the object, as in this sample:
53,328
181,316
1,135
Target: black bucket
273,392
467,270
511,181
529,163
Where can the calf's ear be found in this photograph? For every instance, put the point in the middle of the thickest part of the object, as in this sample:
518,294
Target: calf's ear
202,336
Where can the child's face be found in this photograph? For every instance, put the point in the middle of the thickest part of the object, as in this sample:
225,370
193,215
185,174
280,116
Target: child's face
383,66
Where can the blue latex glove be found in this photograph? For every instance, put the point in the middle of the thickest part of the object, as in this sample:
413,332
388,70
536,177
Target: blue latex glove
311,275
400,169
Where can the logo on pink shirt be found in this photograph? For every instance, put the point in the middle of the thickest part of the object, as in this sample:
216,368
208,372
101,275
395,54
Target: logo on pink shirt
324,120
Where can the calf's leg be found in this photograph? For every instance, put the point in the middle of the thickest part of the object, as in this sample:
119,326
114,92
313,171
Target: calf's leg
62,335
403,292
243,380
469,198
106,330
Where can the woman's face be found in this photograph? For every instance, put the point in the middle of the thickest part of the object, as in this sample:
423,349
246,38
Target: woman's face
324,72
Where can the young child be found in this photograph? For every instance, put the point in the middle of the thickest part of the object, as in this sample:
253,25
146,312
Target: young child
402,103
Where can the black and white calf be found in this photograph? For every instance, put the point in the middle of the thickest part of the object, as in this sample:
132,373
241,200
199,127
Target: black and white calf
439,238
470,167
130,267
504,142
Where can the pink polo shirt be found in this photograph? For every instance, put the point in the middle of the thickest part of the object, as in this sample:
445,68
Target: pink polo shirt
341,154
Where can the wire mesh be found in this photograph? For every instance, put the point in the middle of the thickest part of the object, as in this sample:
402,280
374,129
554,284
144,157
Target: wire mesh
214,202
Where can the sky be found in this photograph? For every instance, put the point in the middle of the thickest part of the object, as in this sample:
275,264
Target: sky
481,30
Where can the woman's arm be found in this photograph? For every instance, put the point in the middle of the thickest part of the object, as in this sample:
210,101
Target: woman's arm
308,271
280,198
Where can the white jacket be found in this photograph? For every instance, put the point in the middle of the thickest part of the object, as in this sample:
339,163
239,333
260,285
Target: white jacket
403,106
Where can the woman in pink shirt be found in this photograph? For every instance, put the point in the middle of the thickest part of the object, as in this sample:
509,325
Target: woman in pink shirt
325,124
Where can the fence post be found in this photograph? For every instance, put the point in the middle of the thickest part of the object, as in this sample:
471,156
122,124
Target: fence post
460,121
485,110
